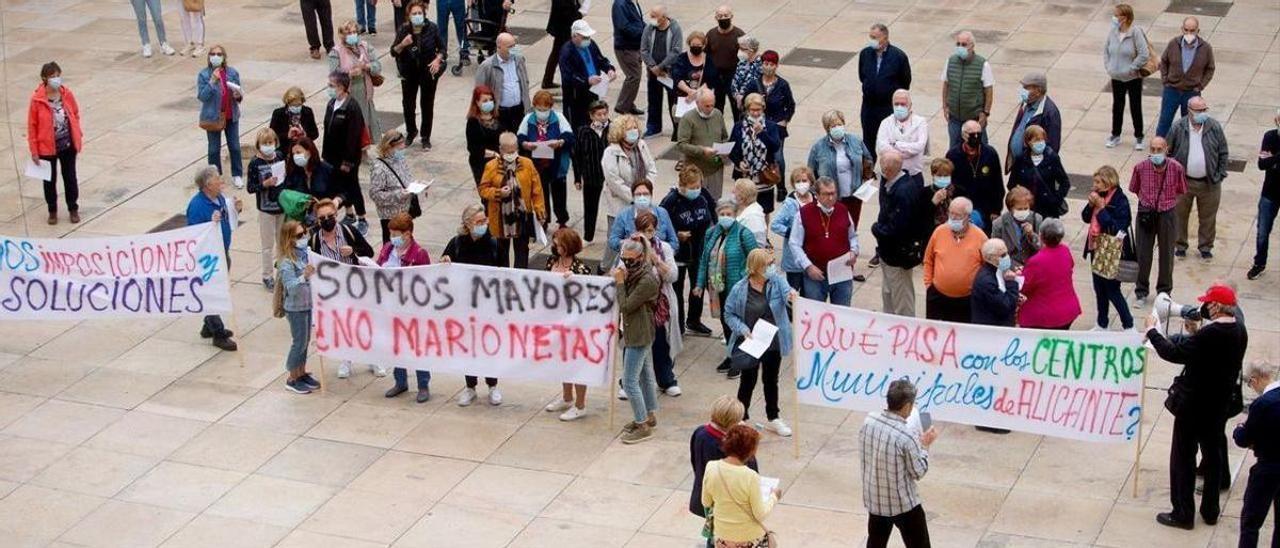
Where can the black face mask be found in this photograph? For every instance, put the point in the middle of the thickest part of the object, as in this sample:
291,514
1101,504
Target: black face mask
328,223
1204,312
725,23
631,264
973,140
696,50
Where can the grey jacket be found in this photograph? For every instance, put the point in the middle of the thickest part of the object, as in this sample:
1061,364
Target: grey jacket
1213,140
1125,53
490,74
675,44
1021,244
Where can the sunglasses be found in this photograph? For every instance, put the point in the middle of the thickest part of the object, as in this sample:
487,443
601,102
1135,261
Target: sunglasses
327,217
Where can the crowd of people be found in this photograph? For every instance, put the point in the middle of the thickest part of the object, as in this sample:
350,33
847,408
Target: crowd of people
985,231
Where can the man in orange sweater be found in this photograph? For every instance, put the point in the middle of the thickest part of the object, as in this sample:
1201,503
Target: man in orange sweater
951,261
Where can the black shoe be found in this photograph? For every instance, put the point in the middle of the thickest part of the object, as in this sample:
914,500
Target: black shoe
206,334
396,391
1166,519
991,430
426,145
423,396
465,61
859,278
1180,253
373,31
269,283
636,112
620,111
698,329
456,70
875,261
1210,521
225,344
1206,255
734,373
1255,271
723,367
310,381
550,85
297,386
408,139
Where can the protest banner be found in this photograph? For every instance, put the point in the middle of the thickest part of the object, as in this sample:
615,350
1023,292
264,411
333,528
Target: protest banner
474,320
1067,384
170,273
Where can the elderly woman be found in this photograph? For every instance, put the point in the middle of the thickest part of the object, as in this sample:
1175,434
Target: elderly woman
667,340
940,190
747,73
1123,55
294,120
705,445
1049,296
266,190
358,59
1107,213
724,261
549,131
692,70
219,92
511,187
389,182
733,489
483,129
692,211
638,292
474,244
802,194
756,144
1019,226
844,158
626,161
625,225
400,251
951,262
566,244
779,103
54,135
750,213
1040,170
762,296
994,298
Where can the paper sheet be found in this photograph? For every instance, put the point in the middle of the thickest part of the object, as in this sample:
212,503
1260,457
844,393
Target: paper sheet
767,485
667,82
417,187
585,7
42,170
1022,280
723,148
277,171
761,338
601,89
866,191
540,234
838,270
367,261
233,217
684,106
542,150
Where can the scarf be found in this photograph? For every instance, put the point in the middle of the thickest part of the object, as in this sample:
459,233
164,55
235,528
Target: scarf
661,306
715,276
754,152
638,171
225,107
1095,228
541,130
512,206
347,59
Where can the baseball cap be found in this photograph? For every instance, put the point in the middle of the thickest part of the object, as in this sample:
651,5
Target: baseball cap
582,28
1218,293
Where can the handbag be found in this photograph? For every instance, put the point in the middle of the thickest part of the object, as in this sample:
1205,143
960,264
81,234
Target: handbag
1149,218
770,538
415,208
277,297
1127,267
771,175
376,79
1106,256
1153,59
215,125
1179,394
193,5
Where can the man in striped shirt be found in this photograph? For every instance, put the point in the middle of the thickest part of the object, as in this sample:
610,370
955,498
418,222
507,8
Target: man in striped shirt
894,457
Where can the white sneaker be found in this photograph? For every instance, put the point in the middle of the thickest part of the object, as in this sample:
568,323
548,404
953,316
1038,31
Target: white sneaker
1140,145
573,414
622,394
378,370
1133,330
1140,302
1112,142
557,406
1097,328
198,51
778,427
238,181
146,51
167,49
344,370
467,397
495,396
673,391
186,50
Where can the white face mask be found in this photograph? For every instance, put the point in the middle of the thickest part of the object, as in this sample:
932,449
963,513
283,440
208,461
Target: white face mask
802,188
1021,214
510,157
1189,37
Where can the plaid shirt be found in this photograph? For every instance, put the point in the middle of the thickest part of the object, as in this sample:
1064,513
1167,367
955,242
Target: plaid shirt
1146,183
892,461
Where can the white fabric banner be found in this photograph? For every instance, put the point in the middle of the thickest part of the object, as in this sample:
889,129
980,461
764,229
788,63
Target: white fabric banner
474,320
1067,384
172,273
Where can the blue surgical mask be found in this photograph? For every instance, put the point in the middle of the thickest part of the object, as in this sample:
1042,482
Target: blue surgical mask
353,39
1037,147
633,135
542,115
417,19
1115,22
333,93
693,193
486,106
215,60
268,150
55,82
479,231
836,132
1200,117
942,181
1005,263
726,221
956,225
873,44
900,112
826,210
1157,158
397,241
300,160
300,243
295,109
642,201
962,51
398,154
586,43
1024,95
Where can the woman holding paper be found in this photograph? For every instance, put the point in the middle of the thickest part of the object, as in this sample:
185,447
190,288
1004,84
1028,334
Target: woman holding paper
546,136
724,259
218,89
802,185
732,490
266,171
53,135
294,273
511,188
690,71
756,302
756,143
390,182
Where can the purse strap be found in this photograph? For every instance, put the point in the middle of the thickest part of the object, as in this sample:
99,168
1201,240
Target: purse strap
746,508
393,172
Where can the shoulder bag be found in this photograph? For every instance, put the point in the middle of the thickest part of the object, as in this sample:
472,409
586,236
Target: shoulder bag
1179,394
1153,58
193,5
770,538
415,208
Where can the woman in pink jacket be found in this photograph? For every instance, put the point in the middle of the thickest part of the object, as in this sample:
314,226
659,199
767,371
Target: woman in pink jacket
402,251
1049,297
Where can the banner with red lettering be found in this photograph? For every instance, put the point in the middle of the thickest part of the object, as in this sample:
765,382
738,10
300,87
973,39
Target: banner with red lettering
1068,384
473,320
170,273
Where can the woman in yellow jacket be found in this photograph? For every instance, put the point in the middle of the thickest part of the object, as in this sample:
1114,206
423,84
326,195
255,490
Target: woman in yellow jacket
511,188
731,491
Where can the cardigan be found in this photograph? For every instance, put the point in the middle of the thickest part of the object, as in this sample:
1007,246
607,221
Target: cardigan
1022,244
675,44
734,491
950,263
696,132
413,255
1051,295
557,128
588,152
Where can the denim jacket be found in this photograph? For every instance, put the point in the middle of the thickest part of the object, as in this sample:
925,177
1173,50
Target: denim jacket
822,160
781,225
297,290
776,291
209,92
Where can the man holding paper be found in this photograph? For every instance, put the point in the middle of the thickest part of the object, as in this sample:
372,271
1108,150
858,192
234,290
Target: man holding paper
698,138
582,68
824,243
660,45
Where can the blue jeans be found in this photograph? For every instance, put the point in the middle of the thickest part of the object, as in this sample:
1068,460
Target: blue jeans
458,10
638,382
841,293
1172,100
366,15
664,368
402,378
233,147
954,127
1267,210
1108,292
140,8
300,330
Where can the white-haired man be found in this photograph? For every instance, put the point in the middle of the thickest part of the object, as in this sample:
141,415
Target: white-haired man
905,132
209,205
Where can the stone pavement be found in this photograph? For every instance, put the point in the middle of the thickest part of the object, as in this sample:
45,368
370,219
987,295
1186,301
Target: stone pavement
138,433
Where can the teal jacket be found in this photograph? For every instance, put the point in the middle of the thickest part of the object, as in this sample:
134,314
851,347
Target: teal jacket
739,242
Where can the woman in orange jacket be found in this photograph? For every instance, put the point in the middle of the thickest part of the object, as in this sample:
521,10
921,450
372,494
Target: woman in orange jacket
53,134
511,188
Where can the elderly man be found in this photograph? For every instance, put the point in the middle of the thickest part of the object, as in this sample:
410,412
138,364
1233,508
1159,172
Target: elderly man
722,48
698,133
582,66
506,75
1186,67
1200,401
899,239
894,457
977,174
904,131
967,88
1035,109
209,205
951,262
1158,182
660,45
628,27
821,233
1258,432
1198,143
994,300
883,69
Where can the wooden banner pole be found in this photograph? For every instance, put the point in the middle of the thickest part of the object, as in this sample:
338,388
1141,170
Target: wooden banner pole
1142,411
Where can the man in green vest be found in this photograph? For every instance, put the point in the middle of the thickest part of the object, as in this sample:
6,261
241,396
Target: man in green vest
967,88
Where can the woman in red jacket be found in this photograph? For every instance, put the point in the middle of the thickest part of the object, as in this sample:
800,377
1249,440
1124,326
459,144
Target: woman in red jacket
402,251
53,133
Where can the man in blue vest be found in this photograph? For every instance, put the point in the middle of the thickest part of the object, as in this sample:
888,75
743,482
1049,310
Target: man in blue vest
967,88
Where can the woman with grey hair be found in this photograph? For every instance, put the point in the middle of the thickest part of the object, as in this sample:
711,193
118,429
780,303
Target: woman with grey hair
638,291
1049,298
748,72
724,263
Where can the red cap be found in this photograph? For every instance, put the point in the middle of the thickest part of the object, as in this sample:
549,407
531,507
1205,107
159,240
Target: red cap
1220,294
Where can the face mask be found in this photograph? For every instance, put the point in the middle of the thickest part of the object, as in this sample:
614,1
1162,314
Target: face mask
398,154
803,188
900,112
510,157
836,132
742,56
295,109
300,243
397,241
633,135
267,150
726,221
973,140
486,106
768,71
479,231
757,119
693,193
1157,158
215,60
1024,95
1037,147
55,82
1005,263
771,271
696,50
515,50
417,19
329,224
542,115
826,210
1189,38
1021,214
333,93
1200,117
353,39
585,43
641,201
942,182
705,115
1205,314
725,23
873,43
962,51
631,264
1115,22
300,160
955,225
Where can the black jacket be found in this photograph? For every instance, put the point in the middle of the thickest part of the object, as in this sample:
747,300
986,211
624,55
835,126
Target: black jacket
1260,429
1048,182
694,216
894,74
257,171
588,150
359,245
981,182
319,185
280,124
343,135
467,250
563,14
414,62
1211,360
573,70
905,222
987,304
1114,217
